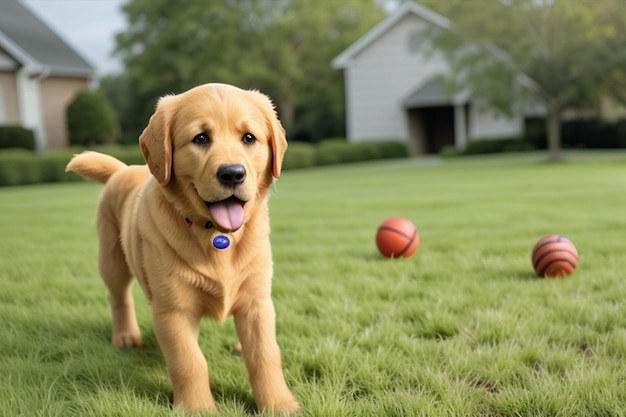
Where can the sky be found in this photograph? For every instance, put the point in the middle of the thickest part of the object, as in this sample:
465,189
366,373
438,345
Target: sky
89,26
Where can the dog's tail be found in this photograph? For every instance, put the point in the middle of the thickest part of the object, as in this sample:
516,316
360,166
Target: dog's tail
95,165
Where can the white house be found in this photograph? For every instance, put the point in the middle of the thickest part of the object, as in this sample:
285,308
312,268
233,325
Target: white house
391,94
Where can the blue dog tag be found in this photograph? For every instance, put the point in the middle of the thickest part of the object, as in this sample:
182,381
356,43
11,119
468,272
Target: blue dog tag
221,242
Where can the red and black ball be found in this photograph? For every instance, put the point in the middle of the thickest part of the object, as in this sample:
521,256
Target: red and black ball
554,256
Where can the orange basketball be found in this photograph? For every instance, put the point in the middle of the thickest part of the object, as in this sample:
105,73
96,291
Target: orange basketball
554,256
397,237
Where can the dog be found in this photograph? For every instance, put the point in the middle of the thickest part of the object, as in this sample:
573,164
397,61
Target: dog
193,227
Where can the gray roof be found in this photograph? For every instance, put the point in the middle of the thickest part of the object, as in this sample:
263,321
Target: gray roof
343,60
32,44
430,94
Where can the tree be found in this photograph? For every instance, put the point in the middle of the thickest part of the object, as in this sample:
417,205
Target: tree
130,112
91,119
610,53
559,50
281,47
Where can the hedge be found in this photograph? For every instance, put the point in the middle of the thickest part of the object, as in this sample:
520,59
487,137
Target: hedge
588,134
487,146
19,167
495,145
16,137
22,167
337,151
299,155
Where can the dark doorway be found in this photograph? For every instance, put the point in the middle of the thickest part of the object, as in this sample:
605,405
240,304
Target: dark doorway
438,124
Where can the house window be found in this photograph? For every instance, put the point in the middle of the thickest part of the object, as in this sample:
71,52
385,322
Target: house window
416,39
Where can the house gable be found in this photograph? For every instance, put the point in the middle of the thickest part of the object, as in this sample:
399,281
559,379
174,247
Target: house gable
39,75
344,59
32,43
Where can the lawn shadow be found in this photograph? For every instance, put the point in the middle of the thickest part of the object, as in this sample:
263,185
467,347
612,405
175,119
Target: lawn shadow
371,256
521,275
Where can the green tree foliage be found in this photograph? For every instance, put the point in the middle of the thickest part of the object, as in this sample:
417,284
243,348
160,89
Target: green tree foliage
609,56
568,54
120,92
91,119
282,47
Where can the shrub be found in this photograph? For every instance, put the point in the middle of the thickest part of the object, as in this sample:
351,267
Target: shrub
330,152
590,134
337,151
21,167
18,167
299,155
486,146
52,165
518,146
16,137
448,151
91,119
129,154
394,149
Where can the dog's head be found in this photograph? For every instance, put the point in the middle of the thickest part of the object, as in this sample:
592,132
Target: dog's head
214,149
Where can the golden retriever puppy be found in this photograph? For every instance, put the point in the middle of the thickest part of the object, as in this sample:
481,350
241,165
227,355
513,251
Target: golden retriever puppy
193,228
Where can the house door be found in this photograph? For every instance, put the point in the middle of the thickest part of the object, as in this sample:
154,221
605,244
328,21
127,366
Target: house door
430,129
438,128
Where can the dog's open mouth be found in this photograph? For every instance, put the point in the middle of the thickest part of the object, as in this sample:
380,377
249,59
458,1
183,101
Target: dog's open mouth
227,214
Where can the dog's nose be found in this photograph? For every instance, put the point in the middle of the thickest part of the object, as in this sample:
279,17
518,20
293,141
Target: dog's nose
231,174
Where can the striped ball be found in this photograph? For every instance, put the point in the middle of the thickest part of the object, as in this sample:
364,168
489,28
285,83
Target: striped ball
397,237
554,256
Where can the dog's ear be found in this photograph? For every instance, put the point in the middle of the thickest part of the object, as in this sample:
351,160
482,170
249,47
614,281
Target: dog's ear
279,145
278,141
156,143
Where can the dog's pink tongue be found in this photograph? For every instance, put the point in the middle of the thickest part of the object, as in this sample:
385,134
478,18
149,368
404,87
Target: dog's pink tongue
227,214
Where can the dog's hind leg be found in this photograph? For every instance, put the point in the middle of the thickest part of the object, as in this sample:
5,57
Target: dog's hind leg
118,279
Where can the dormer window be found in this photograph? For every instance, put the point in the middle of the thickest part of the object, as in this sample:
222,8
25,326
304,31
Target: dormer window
415,41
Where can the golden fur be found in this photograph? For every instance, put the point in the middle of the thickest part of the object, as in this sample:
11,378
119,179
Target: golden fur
156,223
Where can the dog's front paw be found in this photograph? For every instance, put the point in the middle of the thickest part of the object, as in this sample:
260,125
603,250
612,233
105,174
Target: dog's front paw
127,339
284,406
288,407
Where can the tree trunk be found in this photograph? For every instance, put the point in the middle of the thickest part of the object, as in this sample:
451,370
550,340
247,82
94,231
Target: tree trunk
553,130
287,112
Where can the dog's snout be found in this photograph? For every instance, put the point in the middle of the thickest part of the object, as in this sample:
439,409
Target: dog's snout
231,174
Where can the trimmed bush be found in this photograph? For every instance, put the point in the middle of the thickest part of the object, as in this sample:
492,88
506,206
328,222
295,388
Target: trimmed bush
331,152
18,167
588,134
486,146
448,151
21,167
337,151
16,137
519,146
130,155
299,155
393,149
91,119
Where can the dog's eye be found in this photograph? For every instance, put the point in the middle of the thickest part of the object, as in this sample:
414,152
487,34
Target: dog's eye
248,138
201,139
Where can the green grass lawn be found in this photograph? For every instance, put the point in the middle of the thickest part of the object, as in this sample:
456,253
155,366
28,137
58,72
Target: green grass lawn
463,328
